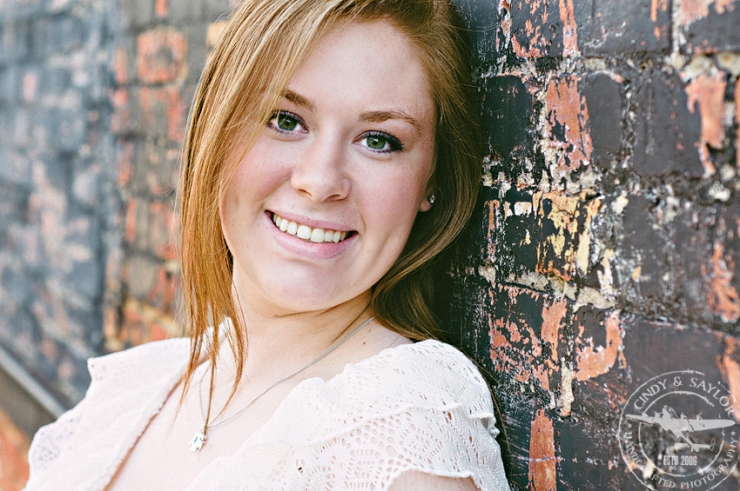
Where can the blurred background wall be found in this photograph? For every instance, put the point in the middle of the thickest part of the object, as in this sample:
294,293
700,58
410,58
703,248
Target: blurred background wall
93,102
604,250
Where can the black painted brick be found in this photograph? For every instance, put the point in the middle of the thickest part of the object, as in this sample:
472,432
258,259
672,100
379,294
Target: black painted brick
608,27
666,133
605,100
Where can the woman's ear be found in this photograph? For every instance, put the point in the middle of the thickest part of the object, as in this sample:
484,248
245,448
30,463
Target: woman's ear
426,205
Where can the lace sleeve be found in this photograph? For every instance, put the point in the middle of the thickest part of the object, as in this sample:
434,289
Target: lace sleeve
445,443
50,440
422,407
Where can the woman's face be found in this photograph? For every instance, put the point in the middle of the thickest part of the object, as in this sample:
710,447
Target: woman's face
321,206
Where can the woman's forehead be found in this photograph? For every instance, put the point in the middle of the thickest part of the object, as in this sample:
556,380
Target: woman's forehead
369,65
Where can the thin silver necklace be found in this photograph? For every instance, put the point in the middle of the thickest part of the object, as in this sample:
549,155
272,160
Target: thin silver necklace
199,440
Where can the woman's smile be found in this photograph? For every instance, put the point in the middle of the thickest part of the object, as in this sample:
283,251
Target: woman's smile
306,232
322,204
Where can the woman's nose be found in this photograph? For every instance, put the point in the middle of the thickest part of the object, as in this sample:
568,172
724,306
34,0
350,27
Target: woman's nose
319,174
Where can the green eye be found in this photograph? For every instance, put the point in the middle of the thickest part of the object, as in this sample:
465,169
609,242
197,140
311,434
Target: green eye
381,142
377,142
286,122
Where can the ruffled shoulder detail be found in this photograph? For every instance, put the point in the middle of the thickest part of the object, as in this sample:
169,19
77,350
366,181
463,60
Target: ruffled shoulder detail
422,407
127,389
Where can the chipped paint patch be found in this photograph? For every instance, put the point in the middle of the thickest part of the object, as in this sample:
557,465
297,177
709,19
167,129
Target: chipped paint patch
592,361
565,250
526,346
722,297
565,401
570,28
707,91
536,44
730,368
542,460
693,10
567,122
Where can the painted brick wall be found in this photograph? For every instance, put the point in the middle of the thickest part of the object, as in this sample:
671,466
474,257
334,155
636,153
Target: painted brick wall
606,247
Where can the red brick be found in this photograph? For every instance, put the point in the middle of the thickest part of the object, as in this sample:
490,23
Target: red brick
542,459
525,347
567,122
120,64
708,93
163,225
722,297
30,86
130,221
163,111
542,28
161,55
125,162
692,10
120,121
592,361
161,8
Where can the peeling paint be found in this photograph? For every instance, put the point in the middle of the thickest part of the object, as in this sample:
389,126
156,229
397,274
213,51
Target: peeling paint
567,122
533,30
565,401
693,10
722,297
570,242
594,361
542,460
570,28
731,371
708,92
525,351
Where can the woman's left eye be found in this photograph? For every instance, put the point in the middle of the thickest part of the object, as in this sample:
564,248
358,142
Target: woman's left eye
286,122
381,142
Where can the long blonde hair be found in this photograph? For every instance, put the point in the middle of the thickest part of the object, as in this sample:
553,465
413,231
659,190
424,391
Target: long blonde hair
249,69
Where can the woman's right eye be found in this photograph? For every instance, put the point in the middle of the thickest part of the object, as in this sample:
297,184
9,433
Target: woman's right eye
286,122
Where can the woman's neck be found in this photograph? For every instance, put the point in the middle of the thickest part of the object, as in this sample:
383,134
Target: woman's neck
279,340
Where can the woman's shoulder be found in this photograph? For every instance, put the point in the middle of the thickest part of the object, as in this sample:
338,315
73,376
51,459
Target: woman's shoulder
427,373
161,359
425,404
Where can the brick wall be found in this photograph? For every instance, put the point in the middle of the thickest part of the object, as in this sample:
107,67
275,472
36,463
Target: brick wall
58,203
159,54
604,250
606,247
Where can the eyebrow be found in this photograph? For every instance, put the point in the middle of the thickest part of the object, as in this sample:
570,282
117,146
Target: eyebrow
370,117
298,100
380,116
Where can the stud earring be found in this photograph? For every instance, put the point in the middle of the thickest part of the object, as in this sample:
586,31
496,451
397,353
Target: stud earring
431,199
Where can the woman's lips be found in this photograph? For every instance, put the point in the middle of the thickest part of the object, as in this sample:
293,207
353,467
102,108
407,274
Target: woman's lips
306,233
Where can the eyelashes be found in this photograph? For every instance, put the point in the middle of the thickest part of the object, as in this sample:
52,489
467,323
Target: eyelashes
381,142
288,123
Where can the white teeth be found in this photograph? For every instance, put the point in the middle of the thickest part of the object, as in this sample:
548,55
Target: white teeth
317,235
305,232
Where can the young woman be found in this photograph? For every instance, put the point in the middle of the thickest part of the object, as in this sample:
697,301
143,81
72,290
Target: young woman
332,154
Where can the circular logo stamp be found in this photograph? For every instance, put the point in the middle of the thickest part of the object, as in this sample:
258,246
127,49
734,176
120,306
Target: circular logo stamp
677,430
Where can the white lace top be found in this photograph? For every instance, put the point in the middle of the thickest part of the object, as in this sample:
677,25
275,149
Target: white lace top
421,407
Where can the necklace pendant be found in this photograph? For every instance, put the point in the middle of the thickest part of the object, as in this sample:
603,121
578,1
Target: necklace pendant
198,441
